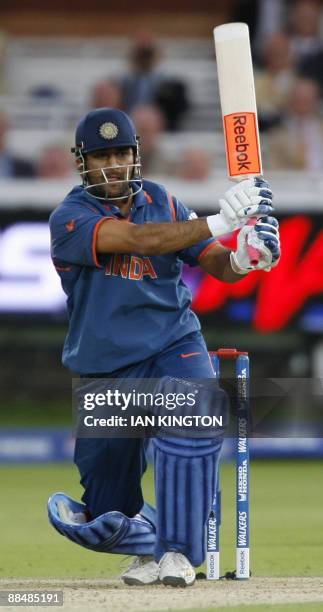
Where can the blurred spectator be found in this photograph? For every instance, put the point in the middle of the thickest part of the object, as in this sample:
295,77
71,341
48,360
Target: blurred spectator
55,162
3,53
307,40
273,83
106,93
145,84
173,101
141,83
264,18
298,143
304,24
270,19
311,66
11,166
149,124
194,165
46,93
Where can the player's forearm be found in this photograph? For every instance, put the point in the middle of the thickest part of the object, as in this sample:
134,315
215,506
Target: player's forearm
150,238
239,203
160,238
218,264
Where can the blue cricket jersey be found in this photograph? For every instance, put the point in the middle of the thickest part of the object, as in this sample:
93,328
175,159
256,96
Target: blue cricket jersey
122,308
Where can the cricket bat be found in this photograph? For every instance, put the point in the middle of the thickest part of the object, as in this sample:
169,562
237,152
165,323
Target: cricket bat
238,105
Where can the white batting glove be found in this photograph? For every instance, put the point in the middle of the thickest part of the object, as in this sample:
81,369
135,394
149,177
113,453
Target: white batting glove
264,236
249,198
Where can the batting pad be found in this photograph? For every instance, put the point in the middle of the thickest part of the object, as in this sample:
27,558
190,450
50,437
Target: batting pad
185,481
112,532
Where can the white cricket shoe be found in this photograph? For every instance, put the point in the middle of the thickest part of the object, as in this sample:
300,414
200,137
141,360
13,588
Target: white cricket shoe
142,570
176,570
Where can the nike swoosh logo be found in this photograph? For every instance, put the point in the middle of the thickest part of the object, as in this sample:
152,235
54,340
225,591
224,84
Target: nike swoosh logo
184,355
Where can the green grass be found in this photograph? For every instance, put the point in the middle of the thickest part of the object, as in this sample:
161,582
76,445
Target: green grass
286,535
304,607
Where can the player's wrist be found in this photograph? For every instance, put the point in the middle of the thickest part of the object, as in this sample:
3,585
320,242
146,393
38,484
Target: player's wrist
235,265
218,226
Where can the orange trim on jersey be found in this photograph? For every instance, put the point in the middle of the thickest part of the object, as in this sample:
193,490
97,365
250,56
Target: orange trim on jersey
148,197
70,226
207,249
171,206
185,355
95,237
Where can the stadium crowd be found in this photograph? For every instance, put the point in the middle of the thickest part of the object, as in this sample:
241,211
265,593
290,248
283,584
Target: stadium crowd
288,55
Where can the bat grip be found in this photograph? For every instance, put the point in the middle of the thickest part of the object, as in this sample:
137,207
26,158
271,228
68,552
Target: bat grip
253,253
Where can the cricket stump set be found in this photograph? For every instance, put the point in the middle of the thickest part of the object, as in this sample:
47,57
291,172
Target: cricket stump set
241,441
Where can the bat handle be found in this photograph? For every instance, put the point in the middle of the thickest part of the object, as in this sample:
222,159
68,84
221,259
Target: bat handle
253,253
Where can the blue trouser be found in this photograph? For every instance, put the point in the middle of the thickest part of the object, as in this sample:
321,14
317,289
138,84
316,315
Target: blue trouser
111,469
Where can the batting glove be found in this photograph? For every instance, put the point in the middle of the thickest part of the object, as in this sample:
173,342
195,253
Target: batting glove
264,236
249,198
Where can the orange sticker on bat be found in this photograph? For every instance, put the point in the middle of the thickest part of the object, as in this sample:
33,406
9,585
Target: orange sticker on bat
242,144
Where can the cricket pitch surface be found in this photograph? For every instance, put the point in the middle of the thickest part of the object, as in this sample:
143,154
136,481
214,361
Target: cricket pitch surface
83,595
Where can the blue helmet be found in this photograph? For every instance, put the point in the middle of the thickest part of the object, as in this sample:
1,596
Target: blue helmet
104,128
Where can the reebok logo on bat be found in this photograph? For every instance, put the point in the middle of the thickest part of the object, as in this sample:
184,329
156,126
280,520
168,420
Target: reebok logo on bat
241,144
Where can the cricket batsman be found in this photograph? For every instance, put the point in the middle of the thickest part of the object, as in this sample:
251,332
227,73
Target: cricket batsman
118,243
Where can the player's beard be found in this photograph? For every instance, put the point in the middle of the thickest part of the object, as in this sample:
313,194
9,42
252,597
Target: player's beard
110,191
122,191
